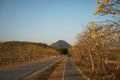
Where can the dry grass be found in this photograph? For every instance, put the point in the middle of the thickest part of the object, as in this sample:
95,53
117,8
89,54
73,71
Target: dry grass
58,72
7,64
101,75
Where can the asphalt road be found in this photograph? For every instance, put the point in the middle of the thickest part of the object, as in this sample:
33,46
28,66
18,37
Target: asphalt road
15,73
70,71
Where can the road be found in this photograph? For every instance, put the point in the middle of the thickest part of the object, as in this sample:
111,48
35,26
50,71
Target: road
70,72
17,72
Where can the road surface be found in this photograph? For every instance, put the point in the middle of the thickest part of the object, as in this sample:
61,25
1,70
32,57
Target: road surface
70,72
15,73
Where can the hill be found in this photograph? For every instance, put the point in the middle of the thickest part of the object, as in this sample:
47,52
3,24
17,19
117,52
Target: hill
17,51
61,44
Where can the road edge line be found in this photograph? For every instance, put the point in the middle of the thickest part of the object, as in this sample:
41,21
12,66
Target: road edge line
64,70
79,70
45,67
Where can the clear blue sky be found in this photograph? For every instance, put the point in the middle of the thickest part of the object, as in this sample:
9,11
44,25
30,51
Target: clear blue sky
44,20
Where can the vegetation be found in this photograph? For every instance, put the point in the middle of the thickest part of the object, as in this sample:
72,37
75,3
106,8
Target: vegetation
97,51
61,46
58,72
63,51
15,52
107,7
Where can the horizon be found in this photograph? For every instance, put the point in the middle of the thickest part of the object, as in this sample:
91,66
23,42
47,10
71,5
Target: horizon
34,42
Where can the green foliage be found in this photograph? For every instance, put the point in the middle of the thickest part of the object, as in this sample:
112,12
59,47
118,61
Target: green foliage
63,50
112,58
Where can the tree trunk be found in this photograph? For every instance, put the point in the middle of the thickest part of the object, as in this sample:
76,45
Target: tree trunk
99,63
92,61
118,66
13,59
29,58
1,61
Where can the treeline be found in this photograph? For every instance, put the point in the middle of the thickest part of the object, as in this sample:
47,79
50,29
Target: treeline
98,50
13,52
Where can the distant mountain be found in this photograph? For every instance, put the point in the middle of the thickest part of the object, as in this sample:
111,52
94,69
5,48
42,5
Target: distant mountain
61,44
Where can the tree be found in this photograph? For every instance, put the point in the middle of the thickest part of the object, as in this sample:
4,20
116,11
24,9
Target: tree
108,7
94,44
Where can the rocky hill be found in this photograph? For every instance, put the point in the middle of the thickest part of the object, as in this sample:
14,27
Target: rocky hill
61,44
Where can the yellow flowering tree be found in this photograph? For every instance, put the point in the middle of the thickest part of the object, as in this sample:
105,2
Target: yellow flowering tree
108,7
92,44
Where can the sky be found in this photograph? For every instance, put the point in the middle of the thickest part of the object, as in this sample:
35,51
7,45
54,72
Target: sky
45,21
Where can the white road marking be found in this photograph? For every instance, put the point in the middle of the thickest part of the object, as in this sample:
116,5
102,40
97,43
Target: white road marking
64,70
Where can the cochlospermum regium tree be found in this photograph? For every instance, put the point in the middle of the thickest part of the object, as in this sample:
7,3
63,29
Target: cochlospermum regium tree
107,7
93,44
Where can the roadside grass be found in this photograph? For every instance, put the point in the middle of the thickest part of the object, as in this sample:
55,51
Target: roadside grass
53,72
6,61
92,75
58,72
